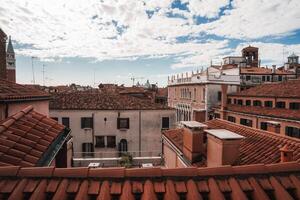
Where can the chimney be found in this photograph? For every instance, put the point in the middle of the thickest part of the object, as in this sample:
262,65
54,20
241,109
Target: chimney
286,155
273,126
193,140
223,100
222,147
273,69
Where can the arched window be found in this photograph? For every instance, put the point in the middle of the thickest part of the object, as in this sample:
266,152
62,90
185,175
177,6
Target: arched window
123,145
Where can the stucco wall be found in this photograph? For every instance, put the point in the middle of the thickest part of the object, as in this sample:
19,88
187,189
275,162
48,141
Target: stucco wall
14,107
151,124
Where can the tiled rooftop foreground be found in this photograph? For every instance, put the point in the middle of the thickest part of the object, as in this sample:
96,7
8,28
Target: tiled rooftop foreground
26,137
258,146
277,181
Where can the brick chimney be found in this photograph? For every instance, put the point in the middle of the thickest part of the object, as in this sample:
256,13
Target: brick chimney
273,126
193,140
286,155
223,100
222,147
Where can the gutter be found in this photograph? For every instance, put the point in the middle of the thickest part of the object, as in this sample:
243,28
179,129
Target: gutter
54,148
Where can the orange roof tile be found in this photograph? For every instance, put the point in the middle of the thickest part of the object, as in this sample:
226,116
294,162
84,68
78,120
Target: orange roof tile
258,146
101,100
26,137
287,89
265,111
276,181
10,91
263,71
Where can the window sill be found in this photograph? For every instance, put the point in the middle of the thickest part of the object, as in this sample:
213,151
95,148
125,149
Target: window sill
123,129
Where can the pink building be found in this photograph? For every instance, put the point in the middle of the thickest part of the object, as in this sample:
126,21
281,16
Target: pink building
273,107
15,97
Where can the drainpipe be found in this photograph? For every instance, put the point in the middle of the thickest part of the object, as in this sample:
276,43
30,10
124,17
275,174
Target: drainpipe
93,131
6,110
140,132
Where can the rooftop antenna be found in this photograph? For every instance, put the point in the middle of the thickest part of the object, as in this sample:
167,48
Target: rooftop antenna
43,71
33,78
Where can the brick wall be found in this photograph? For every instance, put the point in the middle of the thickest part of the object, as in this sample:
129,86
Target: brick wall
2,55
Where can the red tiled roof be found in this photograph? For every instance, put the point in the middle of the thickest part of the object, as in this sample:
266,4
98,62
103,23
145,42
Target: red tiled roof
287,89
10,91
265,111
262,70
101,100
258,146
26,136
279,181
162,92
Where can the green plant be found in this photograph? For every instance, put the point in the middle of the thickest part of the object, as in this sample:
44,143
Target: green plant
126,160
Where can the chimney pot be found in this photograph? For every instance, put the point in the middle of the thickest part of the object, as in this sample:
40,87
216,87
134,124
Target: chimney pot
286,155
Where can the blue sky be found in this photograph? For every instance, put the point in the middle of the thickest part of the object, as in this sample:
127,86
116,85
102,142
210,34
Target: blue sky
152,39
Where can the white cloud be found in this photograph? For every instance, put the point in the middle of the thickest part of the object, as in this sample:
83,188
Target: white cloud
206,8
257,18
111,29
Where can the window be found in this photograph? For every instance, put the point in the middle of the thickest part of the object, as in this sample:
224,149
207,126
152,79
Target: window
203,94
111,141
279,78
87,122
123,123
263,78
269,104
87,149
295,106
217,116
263,125
256,103
280,104
219,96
231,119
195,93
248,78
100,141
55,118
229,101
234,101
292,131
165,123
248,102
66,121
246,122
240,102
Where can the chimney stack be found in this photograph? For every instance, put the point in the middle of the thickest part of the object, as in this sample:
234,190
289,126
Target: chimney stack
273,69
286,155
222,147
193,140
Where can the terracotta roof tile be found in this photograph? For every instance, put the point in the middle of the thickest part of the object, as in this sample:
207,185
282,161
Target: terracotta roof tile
218,185
21,142
101,100
285,89
263,71
10,91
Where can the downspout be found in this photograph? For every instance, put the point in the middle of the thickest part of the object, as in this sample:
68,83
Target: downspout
140,132
6,110
93,131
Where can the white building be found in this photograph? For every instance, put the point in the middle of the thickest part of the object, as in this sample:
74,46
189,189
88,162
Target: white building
105,123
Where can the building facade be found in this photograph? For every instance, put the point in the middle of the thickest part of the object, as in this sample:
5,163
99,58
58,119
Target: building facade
273,107
105,123
194,96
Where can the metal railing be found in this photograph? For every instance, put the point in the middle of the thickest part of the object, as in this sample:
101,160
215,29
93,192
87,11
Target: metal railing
115,154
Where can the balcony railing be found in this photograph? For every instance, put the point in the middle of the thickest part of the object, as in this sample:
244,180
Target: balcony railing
116,154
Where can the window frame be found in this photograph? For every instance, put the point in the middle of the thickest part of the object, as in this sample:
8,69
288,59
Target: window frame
84,122
127,126
162,122
63,121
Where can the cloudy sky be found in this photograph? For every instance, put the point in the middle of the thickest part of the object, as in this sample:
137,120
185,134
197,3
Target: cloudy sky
77,40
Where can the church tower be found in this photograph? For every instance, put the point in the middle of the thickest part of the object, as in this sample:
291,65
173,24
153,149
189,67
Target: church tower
10,62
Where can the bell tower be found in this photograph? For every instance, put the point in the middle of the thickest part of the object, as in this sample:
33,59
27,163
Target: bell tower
250,54
10,62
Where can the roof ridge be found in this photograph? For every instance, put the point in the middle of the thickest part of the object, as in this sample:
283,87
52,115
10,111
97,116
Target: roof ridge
82,172
259,131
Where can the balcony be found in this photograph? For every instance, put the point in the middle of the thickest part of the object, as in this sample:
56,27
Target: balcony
113,158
